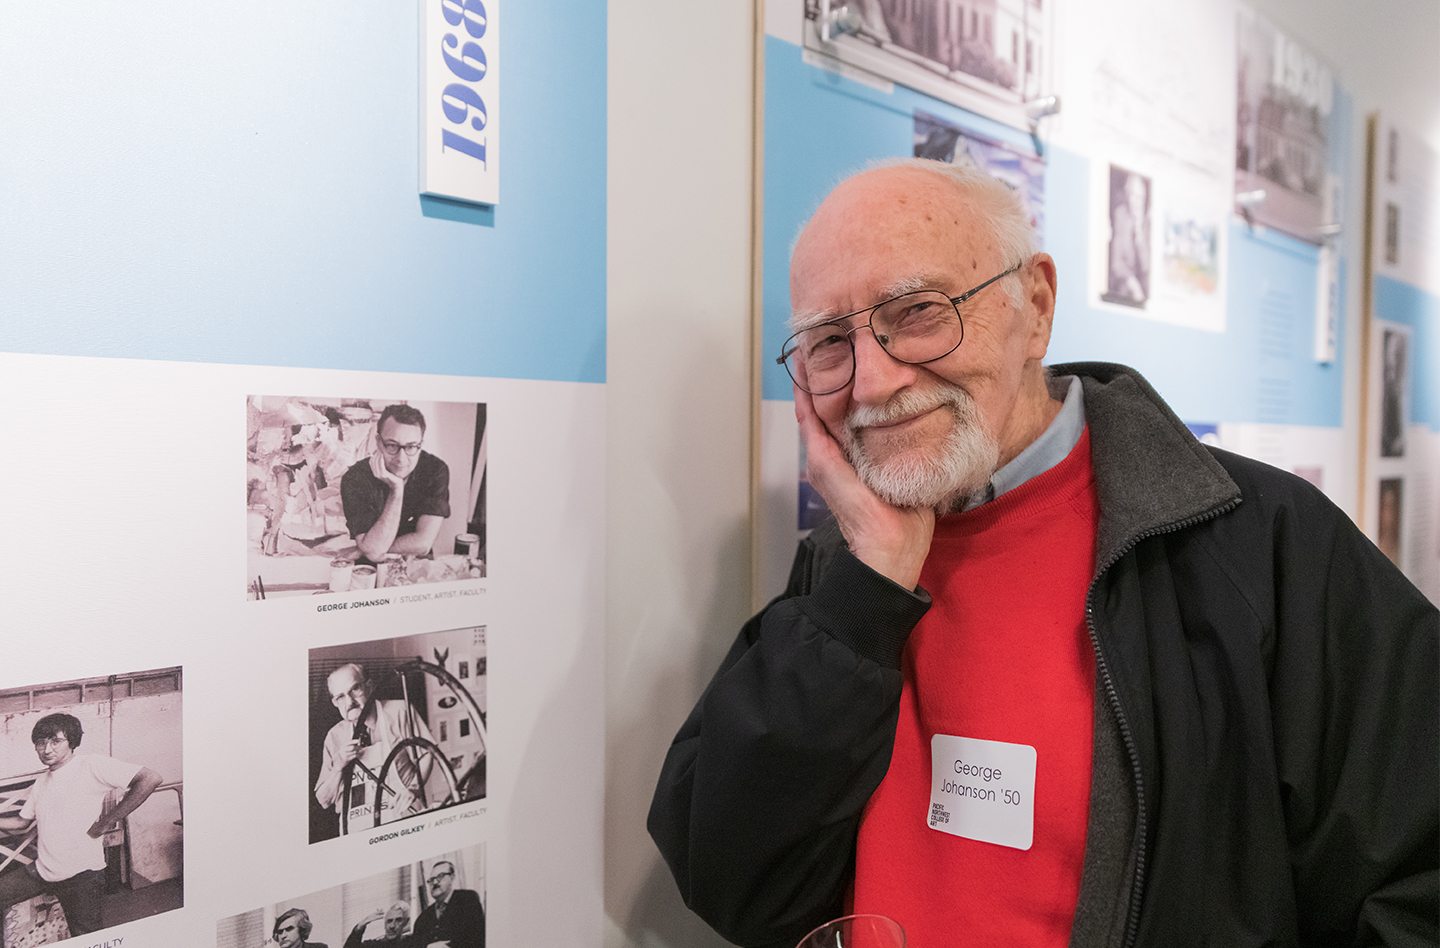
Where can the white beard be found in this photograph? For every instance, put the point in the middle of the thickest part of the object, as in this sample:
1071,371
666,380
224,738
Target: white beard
963,464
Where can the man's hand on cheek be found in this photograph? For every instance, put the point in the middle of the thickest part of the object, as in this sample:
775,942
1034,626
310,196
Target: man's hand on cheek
893,541
383,474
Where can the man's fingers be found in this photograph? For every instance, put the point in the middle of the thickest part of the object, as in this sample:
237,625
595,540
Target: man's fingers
891,540
828,469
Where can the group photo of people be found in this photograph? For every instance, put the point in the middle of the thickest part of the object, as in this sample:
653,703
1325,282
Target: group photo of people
439,901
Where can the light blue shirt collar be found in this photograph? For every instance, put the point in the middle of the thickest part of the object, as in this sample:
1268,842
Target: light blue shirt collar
1053,446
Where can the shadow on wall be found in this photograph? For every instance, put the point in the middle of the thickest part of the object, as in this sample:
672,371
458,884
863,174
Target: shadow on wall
684,510
458,211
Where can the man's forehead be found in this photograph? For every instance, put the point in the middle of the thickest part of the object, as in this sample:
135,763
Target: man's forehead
883,231
396,431
805,318
342,680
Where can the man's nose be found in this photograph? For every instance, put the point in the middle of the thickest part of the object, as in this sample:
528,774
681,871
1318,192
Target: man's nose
878,375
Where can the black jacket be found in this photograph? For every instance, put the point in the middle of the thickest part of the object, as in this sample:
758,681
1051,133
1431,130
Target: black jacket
463,923
1266,738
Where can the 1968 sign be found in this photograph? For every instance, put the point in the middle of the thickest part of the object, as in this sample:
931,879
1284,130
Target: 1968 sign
459,100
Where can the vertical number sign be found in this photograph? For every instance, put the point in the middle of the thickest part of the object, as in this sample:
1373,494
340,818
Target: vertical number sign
459,100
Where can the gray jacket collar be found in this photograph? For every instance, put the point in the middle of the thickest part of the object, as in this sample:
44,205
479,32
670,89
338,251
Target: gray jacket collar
1151,473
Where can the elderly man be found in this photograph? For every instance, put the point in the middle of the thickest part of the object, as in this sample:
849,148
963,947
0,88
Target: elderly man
455,918
397,923
1056,674
68,807
357,746
396,499
292,930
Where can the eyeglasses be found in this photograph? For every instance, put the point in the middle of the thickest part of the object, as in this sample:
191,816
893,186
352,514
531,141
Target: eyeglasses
436,879
356,691
51,742
913,328
393,448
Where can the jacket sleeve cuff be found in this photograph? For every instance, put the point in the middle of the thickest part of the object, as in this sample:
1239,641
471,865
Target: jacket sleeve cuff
864,610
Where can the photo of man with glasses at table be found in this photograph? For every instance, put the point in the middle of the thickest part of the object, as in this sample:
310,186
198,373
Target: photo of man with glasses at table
396,499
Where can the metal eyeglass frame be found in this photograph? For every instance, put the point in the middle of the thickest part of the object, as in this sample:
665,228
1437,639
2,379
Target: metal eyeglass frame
788,350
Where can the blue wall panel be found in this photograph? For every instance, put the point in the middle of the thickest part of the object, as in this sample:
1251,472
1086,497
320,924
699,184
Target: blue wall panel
237,183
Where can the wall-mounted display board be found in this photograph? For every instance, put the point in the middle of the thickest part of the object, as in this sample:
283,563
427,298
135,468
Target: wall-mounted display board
305,564
1399,499
1143,189
991,58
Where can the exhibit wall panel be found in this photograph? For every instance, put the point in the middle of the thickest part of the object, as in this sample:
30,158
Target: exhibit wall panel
216,273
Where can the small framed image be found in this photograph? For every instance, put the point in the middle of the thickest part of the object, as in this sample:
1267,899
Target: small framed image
1127,272
1390,516
350,493
1394,371
986,58
439,900
91,804
398,728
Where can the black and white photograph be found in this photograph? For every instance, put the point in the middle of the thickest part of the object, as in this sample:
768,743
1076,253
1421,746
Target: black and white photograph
402,720
1128,270
91,804
1019,167
1389,509
360,493
998,47
437,901
1394,361
1285,95
1392,233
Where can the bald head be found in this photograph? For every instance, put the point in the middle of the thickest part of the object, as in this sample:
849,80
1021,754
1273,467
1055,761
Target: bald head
349,691
903,206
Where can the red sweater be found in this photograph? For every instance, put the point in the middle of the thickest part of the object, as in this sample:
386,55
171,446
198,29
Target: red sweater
1002,656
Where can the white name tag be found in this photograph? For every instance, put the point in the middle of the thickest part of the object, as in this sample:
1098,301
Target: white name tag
982,790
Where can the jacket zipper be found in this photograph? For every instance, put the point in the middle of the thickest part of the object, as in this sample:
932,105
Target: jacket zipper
1132,916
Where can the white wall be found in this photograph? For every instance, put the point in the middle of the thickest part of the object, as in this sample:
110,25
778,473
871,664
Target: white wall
678,243
678,418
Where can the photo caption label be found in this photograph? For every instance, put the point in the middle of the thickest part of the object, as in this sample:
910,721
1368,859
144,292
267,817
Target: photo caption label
419,827
396,834
982,790
357,604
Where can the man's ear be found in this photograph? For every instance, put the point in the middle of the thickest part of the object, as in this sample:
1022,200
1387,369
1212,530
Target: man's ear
1039,283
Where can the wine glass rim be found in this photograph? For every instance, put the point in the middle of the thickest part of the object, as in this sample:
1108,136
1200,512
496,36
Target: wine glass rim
850,918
